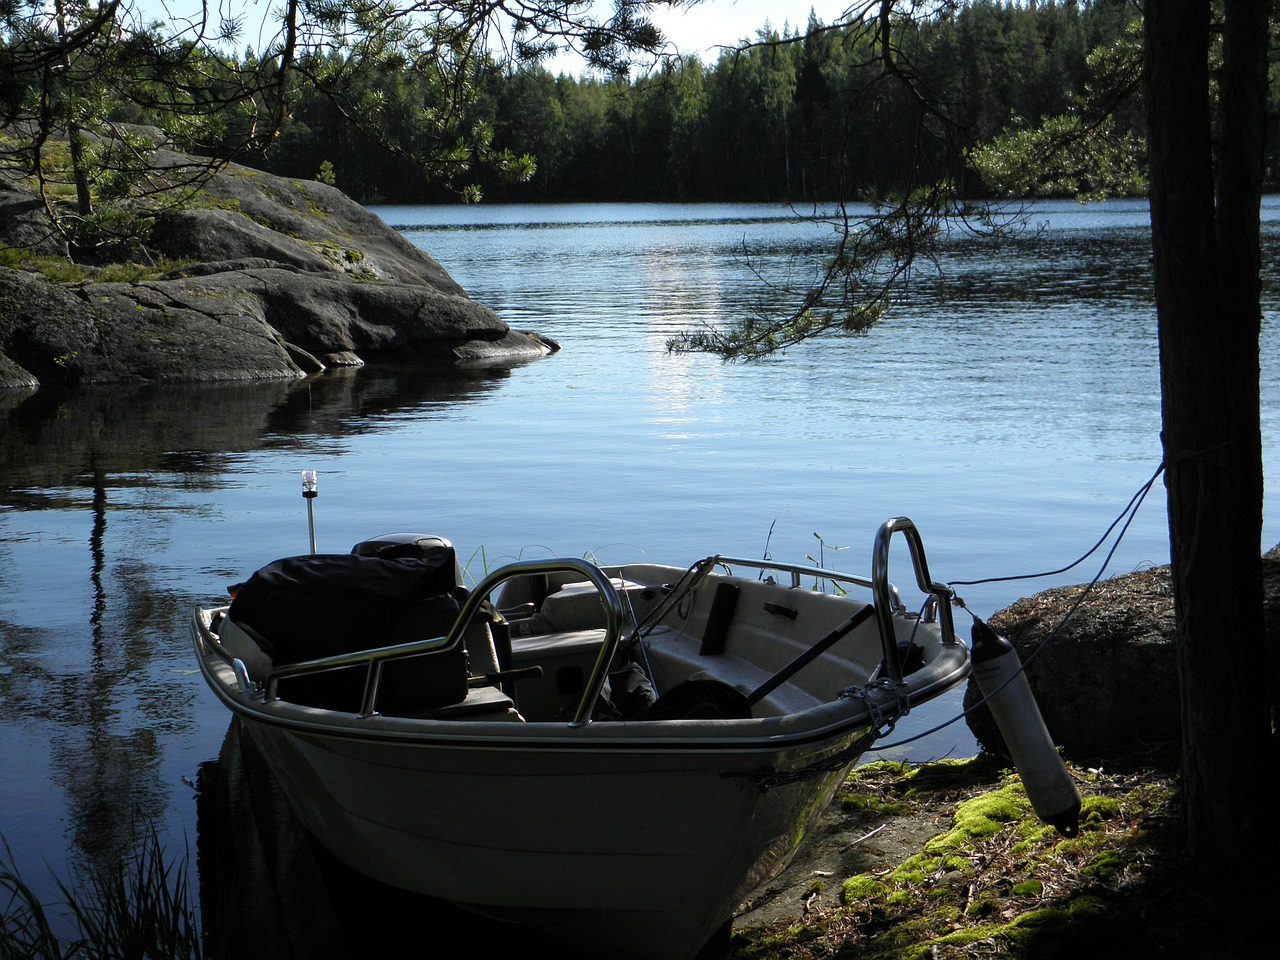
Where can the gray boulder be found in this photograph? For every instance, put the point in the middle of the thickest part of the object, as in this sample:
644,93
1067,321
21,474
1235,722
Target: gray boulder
1107,683
23,223
278,278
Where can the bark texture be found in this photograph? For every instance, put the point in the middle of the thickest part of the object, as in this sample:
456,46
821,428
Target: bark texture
1205,223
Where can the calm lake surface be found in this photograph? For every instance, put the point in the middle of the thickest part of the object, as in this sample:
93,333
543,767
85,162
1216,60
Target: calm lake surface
1012,419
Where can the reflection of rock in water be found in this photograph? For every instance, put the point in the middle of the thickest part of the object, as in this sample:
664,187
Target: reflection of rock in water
54,438
270,892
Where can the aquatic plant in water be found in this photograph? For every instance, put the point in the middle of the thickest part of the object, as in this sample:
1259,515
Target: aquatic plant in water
139,906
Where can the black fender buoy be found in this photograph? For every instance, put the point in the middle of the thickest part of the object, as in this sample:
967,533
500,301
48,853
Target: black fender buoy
1002,681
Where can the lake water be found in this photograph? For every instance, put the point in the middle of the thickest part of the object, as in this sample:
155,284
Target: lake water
1012,419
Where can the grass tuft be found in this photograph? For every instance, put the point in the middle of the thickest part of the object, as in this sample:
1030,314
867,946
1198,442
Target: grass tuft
138,907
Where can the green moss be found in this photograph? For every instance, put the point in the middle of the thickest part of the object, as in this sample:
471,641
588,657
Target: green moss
1028,888
862,887
957,863
969,885
945,774
1036,833
868,771
61,270
983,816
1104,865
204,201
947,914
1094,809
1018,937
872,805
305,190
15,258
1004,805
982,906
265,222
914,868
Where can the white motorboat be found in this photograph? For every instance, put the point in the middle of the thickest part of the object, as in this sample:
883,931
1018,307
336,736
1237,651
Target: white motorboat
615,757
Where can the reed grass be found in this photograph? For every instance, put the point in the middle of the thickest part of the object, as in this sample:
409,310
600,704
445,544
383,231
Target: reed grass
140,906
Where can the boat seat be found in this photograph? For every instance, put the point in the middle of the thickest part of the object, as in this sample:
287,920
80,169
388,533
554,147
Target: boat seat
577,606
482,658
307,608
565,660
425,620
424,681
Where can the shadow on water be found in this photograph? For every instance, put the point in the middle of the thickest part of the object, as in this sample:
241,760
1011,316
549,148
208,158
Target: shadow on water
95,486
268,891
54,437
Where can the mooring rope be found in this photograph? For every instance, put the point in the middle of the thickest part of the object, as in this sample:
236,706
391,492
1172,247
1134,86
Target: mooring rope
1123,520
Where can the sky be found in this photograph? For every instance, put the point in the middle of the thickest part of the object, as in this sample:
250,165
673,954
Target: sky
724,22
701,29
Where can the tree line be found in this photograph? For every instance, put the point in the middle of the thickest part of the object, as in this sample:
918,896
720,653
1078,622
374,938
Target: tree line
805,112
799,113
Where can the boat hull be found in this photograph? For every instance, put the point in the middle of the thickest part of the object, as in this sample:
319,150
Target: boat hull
645,853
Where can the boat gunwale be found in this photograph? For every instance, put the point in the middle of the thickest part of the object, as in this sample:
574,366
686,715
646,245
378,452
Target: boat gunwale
949,667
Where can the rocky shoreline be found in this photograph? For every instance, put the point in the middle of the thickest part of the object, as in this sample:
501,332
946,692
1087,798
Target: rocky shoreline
258,277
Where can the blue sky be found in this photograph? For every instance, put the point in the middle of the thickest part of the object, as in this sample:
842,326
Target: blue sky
700,29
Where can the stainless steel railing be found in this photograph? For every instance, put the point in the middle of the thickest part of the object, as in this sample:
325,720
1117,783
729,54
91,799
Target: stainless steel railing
940,592
885,595
885,598
375,658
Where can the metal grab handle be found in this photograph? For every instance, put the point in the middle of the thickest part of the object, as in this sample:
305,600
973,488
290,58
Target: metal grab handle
880,589
794,570
374,659
608,597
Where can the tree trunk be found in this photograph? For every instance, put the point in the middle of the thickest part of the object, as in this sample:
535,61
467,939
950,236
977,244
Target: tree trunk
75,138
1207,301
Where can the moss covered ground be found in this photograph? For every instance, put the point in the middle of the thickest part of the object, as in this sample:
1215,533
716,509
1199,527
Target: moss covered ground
979,875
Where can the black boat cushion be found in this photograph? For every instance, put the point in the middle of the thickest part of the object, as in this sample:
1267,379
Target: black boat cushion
698,699
310,607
